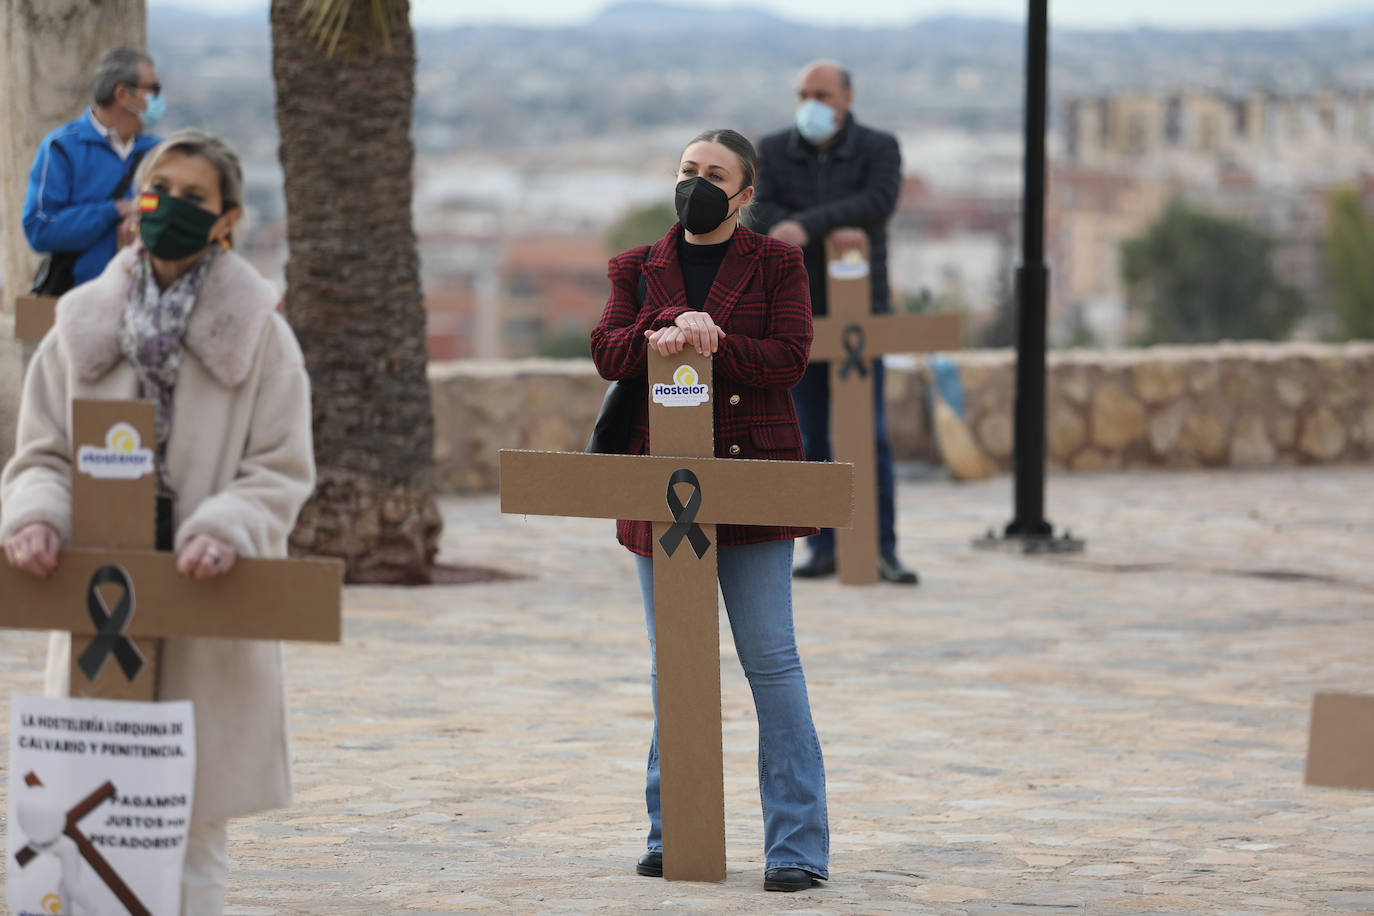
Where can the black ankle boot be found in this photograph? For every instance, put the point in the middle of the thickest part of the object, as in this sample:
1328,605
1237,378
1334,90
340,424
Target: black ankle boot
650,865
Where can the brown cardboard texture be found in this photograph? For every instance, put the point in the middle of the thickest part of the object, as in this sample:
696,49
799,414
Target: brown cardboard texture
849,338
685,496
735,491
851,414
889,333
114,483
1340,749
257,599
114,490
118,597
687,631
33,316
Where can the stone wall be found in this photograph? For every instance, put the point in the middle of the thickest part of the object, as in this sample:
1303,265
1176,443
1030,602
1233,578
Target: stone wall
482,406
1230,405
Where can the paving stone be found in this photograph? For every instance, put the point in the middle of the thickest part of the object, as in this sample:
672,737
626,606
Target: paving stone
1120,732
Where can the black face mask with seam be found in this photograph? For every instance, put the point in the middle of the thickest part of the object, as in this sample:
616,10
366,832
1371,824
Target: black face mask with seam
701,206
176,228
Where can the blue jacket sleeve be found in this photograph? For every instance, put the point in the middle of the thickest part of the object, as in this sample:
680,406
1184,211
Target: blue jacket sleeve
52,220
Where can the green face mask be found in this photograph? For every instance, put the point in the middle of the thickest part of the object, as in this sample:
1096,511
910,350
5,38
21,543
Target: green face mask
172,228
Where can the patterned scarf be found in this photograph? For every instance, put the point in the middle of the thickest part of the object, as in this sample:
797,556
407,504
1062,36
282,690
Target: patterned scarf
151,336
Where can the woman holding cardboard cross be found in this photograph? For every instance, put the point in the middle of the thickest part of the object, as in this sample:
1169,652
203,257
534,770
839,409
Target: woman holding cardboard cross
181,319
716,287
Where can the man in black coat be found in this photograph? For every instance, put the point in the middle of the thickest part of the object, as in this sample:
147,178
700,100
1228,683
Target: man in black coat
829,175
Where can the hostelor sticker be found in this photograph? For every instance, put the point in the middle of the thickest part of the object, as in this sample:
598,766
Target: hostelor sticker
851,265
685,391
122,458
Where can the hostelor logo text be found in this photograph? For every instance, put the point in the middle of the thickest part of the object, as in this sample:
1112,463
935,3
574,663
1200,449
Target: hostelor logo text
686,390
849,266
122,458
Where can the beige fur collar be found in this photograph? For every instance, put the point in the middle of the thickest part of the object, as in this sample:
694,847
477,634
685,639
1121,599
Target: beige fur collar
230,315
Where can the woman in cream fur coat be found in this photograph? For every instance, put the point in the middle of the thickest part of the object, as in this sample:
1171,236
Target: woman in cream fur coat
179,318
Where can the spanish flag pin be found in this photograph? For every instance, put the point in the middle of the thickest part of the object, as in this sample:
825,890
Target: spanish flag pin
147,203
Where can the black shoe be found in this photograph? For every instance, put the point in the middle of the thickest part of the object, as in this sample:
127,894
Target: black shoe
788,879
650,865
818,565
890,569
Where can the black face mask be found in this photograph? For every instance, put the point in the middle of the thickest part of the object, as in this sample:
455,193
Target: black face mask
172,228
701,206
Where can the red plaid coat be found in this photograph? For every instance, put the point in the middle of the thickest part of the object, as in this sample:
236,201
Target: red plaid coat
760,299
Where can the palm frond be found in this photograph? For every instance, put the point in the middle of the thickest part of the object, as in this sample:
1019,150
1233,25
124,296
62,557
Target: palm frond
336,22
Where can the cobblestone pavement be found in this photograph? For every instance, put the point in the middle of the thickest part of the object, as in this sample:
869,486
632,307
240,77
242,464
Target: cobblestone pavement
1121,732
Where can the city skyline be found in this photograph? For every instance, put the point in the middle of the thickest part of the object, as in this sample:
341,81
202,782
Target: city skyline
1181,14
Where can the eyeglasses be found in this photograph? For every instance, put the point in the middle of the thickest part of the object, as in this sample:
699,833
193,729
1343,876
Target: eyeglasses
153,88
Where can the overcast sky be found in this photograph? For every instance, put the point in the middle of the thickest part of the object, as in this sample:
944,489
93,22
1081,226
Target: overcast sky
1110,13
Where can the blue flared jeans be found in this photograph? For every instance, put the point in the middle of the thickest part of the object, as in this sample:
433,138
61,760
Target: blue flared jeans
756,582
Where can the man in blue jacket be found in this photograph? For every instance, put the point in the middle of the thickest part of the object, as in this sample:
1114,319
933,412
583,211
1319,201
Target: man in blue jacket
829,175
71,206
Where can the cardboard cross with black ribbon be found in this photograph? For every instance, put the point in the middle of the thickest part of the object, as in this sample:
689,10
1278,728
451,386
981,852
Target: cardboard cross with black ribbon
850,337
119,597
685,493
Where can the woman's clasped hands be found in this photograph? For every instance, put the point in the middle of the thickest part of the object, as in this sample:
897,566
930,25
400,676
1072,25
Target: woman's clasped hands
35,547
691,329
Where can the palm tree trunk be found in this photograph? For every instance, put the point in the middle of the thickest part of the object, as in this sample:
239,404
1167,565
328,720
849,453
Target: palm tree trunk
353,297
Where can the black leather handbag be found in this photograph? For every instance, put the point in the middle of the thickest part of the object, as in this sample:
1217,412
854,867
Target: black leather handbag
55,274
611,432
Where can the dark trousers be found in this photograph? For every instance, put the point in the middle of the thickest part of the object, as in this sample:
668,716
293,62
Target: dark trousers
812,399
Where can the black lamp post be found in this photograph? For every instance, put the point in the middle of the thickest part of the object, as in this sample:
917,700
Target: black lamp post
1028,531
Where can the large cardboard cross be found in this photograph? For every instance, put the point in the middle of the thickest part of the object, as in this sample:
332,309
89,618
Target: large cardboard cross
33,316
849,337
118,596
123,893
685,496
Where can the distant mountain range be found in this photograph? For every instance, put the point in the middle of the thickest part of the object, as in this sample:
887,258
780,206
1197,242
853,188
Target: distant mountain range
630,70
634,15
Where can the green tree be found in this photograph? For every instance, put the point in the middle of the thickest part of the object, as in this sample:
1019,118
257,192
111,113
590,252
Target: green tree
1350,261
1198,278
345,81
566,345
640,226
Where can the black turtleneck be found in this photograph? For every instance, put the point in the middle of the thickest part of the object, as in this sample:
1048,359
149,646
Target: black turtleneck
699,266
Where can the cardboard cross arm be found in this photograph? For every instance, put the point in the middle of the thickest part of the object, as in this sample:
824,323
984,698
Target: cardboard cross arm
885,333
792,493
168,604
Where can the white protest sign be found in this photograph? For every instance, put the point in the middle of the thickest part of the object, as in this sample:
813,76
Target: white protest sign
100,796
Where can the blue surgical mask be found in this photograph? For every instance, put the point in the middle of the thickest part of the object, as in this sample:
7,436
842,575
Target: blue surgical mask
157,107
816,121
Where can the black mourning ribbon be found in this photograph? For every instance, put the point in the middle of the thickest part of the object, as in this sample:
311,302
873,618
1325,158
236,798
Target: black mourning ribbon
684,517
110,637
853,342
